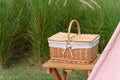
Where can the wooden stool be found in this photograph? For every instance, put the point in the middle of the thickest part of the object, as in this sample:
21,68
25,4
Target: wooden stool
67,67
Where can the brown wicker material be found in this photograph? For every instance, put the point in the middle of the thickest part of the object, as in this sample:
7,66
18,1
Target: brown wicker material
84,56
84,38
60,36
73,55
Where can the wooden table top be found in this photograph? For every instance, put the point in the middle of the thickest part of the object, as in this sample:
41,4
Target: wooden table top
51,64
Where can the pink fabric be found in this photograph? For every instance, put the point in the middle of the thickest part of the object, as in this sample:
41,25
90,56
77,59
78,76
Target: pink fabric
108,66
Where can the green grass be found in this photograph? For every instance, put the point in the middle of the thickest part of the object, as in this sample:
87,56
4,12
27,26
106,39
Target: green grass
24,71
101,21
13,24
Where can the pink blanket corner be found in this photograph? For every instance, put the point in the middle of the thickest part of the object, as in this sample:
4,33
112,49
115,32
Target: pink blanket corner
108,66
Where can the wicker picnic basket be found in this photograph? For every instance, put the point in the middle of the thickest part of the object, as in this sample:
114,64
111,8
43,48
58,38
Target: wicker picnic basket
73,48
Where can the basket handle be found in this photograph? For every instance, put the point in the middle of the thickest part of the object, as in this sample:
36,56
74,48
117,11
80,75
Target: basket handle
69,29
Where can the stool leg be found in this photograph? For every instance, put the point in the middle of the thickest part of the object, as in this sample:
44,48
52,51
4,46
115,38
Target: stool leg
64,75
88,73
56,74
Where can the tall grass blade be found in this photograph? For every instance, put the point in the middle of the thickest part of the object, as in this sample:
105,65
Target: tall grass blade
86,3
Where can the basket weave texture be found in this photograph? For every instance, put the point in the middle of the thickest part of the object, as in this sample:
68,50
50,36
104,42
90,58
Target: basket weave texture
73,48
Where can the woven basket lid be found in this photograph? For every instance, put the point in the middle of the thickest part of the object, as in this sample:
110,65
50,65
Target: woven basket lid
60,36
84,38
